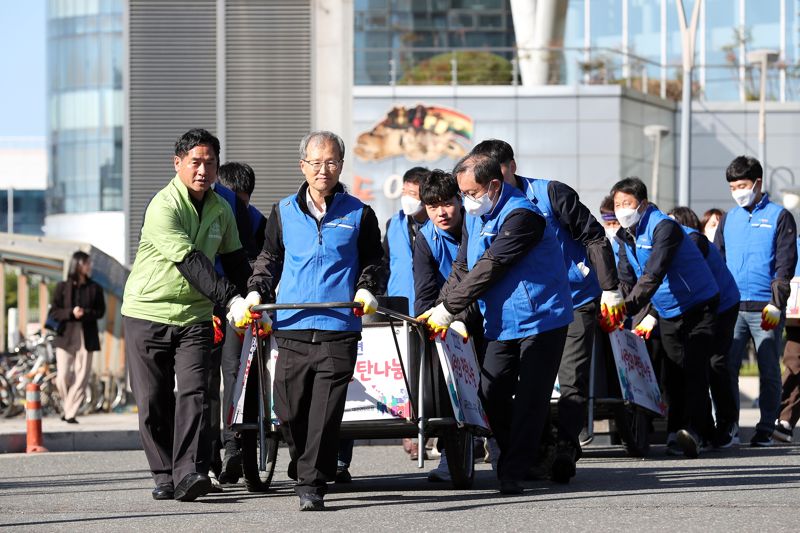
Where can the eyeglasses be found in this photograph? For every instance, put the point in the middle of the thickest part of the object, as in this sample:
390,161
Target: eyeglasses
330,165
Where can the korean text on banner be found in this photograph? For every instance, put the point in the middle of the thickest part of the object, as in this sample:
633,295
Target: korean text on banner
378,390
462,375
635,372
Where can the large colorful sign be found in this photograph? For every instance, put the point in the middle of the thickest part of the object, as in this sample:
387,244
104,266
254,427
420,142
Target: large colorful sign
637,380
463,376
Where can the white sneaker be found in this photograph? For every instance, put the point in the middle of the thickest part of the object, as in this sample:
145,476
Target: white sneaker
441,472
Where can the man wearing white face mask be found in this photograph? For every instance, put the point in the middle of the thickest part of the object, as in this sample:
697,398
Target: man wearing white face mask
757,239
673,276
398,240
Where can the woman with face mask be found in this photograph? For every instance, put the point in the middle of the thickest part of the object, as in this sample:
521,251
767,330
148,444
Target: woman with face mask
710,223
672,275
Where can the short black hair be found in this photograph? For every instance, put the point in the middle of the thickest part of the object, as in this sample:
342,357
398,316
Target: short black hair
196,137
438,186
744,168
238,177
498,150
607,205
633,186
415,175
485,168
685,217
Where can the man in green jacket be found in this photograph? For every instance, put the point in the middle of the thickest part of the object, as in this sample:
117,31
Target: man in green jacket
168,303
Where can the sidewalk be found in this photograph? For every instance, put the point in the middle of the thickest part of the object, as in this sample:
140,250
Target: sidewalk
120,431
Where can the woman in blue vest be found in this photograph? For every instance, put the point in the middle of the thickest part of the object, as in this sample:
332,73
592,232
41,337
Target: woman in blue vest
757,240
728,310
510,263
672,275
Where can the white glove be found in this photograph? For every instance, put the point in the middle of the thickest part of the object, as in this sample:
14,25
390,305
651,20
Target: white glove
612,306
646,326
460,328
770,317
253,298
438,319
265,327
368,302
238,313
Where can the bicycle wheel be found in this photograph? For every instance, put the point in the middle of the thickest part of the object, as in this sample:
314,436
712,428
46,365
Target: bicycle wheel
255,479
458,443
6,395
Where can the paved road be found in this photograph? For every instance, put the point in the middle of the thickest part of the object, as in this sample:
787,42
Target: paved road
741,489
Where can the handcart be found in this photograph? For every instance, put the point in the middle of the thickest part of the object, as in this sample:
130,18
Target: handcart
623,389
424,406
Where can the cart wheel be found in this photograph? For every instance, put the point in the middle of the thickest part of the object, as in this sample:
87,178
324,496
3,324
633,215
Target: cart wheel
633,425
254,479
458,442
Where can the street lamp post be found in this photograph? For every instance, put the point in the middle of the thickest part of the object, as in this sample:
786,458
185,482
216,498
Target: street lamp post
655,132
762,58
688,34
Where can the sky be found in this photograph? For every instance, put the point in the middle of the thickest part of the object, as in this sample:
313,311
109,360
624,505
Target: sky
22,68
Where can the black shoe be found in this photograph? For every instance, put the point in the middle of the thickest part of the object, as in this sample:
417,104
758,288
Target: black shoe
761,439
781,432
291,470
71,420
165,491
689,443
63,419
192,486
343,475
231,469
311,502
564,462
510,486
724,436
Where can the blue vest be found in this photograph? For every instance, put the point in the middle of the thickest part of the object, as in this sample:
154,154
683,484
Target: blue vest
401,262
533,296
750,248
688,282
444,249
728,292
319,264
584,286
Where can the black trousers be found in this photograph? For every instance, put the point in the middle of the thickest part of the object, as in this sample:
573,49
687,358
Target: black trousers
719,378
225,356
170,425
516,384
573,373
212,406
310,390
688,342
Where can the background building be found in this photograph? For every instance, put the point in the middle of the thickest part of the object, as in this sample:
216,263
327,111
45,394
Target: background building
23,173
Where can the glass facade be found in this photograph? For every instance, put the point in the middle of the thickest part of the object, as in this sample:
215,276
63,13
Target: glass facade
607,41
406,32
85,105
28,211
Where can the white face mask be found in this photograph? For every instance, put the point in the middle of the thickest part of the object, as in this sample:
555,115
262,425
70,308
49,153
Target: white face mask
627,217
411,206
478,207
711,233
611,233
745,197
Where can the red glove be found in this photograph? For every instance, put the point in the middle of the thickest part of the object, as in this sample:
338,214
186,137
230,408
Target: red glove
218,333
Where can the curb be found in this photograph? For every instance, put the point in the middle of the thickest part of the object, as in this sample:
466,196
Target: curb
75,441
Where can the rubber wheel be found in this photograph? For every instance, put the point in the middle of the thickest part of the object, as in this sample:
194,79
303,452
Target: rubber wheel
255,480
633,425
7,396
458,443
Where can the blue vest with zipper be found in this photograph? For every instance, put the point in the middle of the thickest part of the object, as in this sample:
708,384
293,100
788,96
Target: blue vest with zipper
401,262
533,296
728,292
750,248
320,264
688,282
444,248
582,280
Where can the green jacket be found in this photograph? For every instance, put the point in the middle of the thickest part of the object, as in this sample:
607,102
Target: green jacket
155,290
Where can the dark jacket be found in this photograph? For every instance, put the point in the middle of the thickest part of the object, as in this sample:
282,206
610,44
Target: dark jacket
66,296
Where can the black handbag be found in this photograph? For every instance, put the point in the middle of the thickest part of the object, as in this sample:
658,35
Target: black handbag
53,324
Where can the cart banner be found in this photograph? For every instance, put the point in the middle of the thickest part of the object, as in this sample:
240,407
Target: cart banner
635,372
236,412
462,375
378,390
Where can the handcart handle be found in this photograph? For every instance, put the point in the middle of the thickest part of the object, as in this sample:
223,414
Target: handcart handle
399,316
323,305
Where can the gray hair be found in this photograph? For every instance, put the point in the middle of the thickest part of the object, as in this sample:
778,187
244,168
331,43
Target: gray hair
321,135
